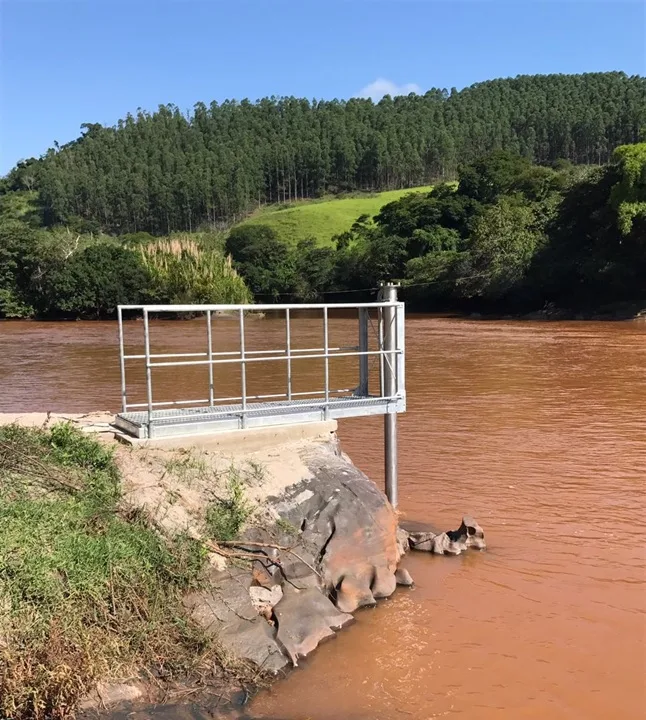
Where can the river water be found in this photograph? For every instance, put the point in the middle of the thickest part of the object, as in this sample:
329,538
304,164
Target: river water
536,429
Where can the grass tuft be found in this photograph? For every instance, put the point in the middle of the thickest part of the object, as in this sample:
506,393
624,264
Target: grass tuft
186,467
226,516
287,527
185,271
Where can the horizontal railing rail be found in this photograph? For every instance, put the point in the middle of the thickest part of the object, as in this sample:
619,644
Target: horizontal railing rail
257,308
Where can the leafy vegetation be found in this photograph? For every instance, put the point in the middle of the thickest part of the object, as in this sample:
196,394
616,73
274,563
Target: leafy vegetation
86,592
511,237
184,272
548,207
263,260
58,273
628,196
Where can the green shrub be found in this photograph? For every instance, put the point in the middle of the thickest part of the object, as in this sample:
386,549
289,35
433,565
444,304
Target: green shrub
265,261
92,282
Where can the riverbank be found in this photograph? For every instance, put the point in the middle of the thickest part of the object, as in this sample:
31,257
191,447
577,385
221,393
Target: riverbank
138,542
621,311
194,569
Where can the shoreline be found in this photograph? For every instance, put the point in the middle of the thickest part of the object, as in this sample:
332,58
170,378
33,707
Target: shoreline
623,314
295,540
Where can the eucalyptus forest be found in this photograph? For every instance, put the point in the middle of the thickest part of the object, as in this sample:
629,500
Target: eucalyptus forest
538,199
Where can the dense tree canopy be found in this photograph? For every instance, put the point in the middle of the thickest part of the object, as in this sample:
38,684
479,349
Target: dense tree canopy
167,171
262,259
511,237
508,236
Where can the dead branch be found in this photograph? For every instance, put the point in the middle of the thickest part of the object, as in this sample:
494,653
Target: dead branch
13,459
284,548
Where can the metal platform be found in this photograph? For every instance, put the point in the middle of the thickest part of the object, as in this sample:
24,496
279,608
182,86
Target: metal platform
383,351
223,418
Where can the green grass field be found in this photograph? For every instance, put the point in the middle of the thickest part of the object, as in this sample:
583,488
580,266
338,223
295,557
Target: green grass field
325,218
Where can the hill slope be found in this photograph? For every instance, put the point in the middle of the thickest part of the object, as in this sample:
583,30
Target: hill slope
322,219
167,171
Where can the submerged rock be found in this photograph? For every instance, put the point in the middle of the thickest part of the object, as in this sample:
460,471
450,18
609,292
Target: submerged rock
452,542
350,526
403,577
305,618
336,549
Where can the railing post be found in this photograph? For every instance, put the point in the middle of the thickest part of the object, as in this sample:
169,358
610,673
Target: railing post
243,371
209,337
149,379
326,345
288,347
363,348
389,295
401,360
380,322
122,362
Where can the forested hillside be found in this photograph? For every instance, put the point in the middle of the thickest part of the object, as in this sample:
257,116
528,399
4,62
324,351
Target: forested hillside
512,237
166,171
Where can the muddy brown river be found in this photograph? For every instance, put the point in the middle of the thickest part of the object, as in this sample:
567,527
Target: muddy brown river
536,429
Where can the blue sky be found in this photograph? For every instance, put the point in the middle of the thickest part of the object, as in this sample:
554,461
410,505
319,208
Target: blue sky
65,62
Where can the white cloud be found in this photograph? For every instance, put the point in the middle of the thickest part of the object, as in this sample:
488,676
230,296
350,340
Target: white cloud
380,87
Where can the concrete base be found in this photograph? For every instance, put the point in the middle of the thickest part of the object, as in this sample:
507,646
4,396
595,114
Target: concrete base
238,441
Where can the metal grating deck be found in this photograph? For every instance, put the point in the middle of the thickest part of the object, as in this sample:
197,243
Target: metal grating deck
223,418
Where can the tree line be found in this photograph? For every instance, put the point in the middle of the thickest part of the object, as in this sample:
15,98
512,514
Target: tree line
168,171
512,237
60,274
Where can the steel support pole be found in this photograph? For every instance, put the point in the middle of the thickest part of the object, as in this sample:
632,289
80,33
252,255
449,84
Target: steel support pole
389,294
288,344
380,321
243,372
326,362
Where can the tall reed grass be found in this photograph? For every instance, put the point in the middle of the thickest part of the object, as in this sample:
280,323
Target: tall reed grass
183,271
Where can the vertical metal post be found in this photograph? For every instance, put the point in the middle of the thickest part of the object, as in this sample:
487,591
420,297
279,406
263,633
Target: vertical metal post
380,313
122,362
149,379
401,364
243,370
209,337
389,295
326,345
288,344
363,348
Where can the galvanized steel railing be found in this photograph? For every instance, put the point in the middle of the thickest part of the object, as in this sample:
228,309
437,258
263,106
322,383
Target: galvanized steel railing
389,337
